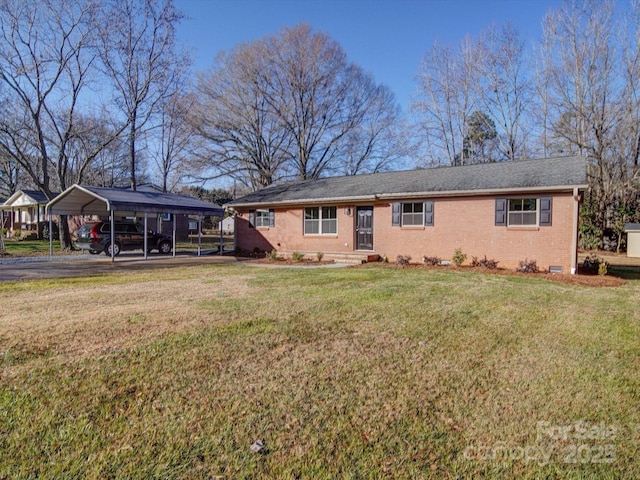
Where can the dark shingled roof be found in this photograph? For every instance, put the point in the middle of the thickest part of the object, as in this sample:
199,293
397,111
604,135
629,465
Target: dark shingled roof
548,173
89,200
37,195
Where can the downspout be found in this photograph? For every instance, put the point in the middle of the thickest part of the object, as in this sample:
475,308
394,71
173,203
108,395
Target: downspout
574,239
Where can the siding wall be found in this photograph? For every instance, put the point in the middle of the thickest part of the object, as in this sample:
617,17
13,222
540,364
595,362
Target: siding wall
467,223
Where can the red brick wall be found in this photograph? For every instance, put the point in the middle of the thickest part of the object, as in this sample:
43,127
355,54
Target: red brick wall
467,223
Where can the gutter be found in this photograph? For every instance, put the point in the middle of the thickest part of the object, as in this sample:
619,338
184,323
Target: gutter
410,195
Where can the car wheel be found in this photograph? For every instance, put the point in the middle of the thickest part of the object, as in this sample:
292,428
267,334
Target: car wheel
116,249
164,247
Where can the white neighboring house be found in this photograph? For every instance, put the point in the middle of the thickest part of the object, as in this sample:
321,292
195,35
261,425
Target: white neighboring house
227,225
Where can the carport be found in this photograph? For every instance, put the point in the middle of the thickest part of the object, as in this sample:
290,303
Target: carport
103,201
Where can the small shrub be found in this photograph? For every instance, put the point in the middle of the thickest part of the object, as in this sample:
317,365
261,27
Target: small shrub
403,259
528,266
385,259
602,268
319,256
297,256
431,261
595,264
484,262
458,257
273,255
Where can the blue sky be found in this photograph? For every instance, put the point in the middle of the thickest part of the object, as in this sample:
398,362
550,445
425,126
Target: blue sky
386,37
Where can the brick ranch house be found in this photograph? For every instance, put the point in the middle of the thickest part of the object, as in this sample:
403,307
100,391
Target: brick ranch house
508,211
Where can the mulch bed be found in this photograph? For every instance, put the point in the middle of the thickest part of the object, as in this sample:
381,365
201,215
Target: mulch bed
582,278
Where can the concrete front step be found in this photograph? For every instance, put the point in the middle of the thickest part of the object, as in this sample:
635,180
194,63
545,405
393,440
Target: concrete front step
355,258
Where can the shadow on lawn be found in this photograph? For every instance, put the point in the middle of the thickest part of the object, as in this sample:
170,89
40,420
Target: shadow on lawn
626,273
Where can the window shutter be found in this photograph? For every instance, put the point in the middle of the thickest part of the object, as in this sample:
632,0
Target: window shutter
501,212
272,218
428,213
545,211
252,218
396,213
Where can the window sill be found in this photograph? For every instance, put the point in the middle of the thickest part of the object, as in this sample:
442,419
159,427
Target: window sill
321,235
412,227
524,228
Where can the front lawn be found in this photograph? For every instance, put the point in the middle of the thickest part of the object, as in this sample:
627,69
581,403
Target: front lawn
27,248
367,372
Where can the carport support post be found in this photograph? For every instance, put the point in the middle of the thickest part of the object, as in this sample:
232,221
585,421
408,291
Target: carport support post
199,233
173,217
221,237
113,231
145,235
50,236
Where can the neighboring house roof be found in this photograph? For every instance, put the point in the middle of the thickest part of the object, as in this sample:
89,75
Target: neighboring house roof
632,227
488,178
147,187
23,198
87,200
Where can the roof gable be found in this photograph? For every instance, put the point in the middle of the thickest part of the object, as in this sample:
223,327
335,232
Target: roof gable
550,173
23,198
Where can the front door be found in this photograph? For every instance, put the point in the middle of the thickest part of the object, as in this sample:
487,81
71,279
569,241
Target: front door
364,228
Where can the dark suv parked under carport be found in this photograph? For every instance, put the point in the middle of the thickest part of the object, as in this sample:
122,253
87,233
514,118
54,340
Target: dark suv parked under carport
96,237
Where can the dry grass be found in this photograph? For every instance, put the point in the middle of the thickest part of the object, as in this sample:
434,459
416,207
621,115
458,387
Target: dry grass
78,320
355,373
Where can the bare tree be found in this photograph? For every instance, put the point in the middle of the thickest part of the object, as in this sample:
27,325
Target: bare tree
381,139
592,100
173,139
46,63
138,50
292,106
241,136
446,97
319,97
506,92
10,177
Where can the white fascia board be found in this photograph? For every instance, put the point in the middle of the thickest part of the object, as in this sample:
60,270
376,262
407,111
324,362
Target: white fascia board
472,193
306,201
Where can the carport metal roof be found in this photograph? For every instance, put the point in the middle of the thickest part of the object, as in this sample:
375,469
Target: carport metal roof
89,200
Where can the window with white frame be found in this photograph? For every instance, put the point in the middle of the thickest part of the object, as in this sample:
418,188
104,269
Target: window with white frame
262,218
320,220
523,211
413,213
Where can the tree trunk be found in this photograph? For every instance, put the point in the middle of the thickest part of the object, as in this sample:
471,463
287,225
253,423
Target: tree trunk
132,151
65,233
